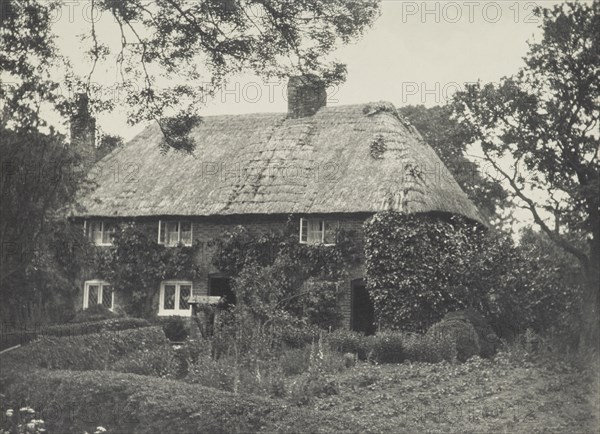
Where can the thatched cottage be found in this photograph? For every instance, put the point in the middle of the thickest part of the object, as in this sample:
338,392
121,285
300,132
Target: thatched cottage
327,167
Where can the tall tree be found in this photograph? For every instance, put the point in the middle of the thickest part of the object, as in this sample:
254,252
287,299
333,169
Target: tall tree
450,140
173,53
545,120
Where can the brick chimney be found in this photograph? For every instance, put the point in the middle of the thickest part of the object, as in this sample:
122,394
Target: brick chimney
83,129
306,94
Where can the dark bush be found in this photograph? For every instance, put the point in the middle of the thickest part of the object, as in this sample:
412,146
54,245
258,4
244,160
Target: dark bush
94,313
387,347
461,332
488,341
347,341
429,349
85,352
84,328
75,402
176,328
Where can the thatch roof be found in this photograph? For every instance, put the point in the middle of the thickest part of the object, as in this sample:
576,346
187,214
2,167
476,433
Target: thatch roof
356,158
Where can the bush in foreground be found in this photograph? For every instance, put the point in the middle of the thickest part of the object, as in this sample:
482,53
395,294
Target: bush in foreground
462,333
84,328
85,352
74,402
97,312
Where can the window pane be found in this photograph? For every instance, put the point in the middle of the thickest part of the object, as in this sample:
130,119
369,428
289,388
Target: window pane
92,295
107,296
169,302
330,232
186,233
96,232
171,234
161,232
108,233
303,230
315,231
184,296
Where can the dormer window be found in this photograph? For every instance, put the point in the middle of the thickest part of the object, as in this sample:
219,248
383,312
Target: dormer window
100,232
317,231
173,232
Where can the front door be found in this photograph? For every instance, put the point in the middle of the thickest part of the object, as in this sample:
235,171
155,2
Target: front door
363,314
220,286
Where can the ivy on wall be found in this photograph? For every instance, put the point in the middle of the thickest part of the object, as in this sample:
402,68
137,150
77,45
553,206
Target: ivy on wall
136,265
273,275
420,267
417,268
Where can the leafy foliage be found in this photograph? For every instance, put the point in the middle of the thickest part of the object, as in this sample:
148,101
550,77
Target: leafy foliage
41,253
205,43
275,276
93,313
136,264
420,268
83,352
544,121
417,269
83,328
145,404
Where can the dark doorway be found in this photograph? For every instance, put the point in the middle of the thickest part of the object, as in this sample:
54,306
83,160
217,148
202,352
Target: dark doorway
221,286
363,314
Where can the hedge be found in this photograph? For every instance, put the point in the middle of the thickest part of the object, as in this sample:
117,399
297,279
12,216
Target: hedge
75,402
84,352
75,329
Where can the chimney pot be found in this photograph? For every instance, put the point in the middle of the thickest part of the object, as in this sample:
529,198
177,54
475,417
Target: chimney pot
83,129
306,94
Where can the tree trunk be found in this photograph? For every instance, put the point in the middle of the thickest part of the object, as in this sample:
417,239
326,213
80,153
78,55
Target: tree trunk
591,307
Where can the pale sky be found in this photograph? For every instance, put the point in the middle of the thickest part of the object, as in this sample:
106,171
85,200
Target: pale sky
418,52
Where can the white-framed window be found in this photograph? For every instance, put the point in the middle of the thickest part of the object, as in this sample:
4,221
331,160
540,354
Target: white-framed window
174,298
173,232
318,231
100,232
98,292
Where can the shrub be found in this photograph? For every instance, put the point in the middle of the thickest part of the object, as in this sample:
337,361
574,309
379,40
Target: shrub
297,335
428,348
418,267
346,341
462,333
158,362
75,402
85,352
84,328
388,347
176,328
97,312
488,340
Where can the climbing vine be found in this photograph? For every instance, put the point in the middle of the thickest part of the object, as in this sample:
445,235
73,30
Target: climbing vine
136,265
273,275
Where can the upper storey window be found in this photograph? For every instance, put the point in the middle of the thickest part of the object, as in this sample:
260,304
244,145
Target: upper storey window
100,232
317,231
173,232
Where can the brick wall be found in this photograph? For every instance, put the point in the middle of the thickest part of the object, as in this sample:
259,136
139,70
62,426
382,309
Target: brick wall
206,229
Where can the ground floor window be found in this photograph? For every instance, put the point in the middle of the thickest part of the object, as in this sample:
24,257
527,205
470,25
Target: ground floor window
174,298
98,292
